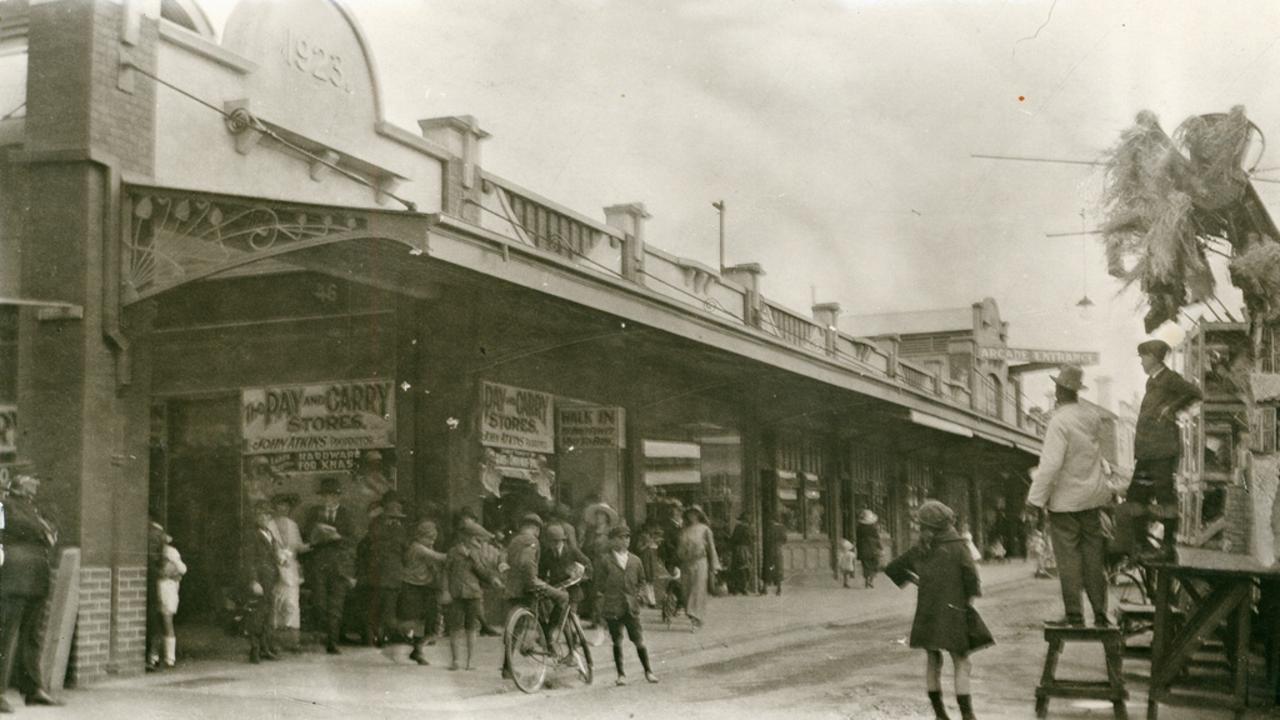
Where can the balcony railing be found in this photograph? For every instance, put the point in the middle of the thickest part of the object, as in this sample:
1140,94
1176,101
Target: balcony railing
529,219
917,378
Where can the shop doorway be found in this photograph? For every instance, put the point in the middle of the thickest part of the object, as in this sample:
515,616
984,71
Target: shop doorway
196,496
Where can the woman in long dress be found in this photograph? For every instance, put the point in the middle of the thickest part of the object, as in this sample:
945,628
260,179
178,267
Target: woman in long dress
698,562
286,611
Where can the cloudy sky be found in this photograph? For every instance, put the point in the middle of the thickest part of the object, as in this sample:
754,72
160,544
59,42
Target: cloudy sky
839,133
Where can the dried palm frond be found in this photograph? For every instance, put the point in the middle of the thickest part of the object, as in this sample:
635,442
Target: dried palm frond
1162,206
1216,145
1257,273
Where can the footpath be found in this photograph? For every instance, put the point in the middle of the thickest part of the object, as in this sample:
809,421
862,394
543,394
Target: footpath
368,682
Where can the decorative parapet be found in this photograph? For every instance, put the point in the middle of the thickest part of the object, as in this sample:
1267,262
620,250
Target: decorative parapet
629,219
748,276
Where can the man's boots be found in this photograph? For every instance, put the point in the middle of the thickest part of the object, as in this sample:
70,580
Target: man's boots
966,707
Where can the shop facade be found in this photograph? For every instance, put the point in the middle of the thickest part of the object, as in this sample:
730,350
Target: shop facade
240,303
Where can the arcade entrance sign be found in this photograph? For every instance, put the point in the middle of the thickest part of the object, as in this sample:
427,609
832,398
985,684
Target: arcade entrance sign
1039,357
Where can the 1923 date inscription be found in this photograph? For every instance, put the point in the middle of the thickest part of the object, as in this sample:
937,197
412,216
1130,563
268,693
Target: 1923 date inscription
307,56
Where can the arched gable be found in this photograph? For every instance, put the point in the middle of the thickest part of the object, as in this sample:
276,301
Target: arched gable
315,73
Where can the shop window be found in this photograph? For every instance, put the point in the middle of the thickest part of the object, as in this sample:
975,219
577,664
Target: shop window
705,470
802,501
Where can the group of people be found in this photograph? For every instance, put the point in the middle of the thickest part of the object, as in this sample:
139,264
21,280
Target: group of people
864,550
1076,488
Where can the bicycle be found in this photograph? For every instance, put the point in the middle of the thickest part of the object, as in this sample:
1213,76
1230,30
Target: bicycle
531,648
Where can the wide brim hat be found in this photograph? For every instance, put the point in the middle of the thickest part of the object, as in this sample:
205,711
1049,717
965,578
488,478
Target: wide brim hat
1071,377
866,517
329,486
696,510
935,515
555,532
426,527
393,509
619,530
531,519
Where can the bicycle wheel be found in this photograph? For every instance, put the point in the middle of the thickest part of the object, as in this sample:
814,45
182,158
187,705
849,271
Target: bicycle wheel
1129,588
579,649
526,650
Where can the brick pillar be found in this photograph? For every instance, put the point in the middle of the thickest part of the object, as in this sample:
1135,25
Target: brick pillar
82,400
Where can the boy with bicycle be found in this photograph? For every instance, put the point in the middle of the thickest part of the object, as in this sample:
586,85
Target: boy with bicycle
524,586
619,575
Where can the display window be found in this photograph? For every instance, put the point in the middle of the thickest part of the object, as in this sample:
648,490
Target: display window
704,468
801,487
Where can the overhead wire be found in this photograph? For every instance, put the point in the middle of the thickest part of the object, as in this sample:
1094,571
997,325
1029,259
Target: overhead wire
243,115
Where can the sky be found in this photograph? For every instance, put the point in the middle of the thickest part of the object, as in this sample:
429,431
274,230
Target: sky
840,134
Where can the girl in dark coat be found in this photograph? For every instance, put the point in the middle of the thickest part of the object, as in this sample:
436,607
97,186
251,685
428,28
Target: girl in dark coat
943,569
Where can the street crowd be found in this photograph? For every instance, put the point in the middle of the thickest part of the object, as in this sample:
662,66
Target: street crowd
399,584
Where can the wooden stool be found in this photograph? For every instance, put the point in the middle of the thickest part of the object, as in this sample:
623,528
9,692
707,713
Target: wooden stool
1112,688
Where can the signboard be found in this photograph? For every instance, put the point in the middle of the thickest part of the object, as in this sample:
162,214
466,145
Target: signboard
516,419
585,427
8,429
1047,357
322,423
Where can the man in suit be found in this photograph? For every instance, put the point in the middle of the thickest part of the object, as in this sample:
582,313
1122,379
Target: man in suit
329,530
28,539
619,575
1156,446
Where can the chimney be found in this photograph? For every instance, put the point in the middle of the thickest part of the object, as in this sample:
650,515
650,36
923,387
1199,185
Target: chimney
629,218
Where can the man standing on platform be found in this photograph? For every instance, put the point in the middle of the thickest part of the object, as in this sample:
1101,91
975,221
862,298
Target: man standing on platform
331,567
1156,447
1069,484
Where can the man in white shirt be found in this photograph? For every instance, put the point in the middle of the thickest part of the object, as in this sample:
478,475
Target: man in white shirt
1069,484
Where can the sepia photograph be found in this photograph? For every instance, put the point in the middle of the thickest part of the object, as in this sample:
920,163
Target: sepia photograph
639,359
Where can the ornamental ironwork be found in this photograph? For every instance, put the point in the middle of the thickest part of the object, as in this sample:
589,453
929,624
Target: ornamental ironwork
170,238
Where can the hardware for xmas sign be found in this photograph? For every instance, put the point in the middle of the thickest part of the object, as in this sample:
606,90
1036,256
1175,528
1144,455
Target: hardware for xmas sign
324,420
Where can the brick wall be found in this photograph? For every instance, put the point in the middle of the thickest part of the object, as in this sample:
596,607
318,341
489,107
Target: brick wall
123,121
92,658
74,98
92,646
